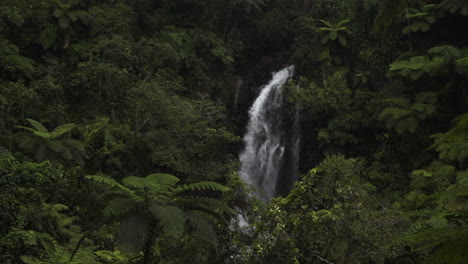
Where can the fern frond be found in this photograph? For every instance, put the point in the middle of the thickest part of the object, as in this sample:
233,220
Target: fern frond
203,229
38,126
119,206
389,11
200,186
163,179
209,205
40,153
134,232
27,128
136,182
76,145
170,218
112,183
58,131
56,146
394,113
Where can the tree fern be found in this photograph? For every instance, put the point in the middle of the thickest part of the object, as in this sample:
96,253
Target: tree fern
48,145
390,10
163,179
134,231
206,185
159,204
453,145
170,218
37,126
65,128
203,228
119,206
112,183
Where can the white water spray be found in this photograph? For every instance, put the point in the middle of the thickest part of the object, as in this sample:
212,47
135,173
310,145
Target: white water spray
269,161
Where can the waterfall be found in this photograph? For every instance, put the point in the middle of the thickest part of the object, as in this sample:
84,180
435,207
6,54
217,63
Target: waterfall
269,160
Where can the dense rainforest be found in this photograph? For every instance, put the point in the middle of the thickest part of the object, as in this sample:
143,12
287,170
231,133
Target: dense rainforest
121,122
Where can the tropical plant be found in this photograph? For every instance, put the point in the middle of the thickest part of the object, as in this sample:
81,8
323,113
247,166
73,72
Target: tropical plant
335,32
440,59
453,144
420,20
389,11
11,60
249,5
406,116
453,6
156,206
66,15
50,145
360,77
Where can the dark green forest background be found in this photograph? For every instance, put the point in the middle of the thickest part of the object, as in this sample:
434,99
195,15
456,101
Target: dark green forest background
121,122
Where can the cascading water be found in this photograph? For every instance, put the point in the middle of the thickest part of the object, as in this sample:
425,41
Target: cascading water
269,161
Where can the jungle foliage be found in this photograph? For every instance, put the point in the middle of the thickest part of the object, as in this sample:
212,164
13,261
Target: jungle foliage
120,123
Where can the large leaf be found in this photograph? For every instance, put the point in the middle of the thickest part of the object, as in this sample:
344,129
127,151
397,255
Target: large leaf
64,22
112,183
48,37
163,179
37,125
203,228
343,42
133,233
119,206
170,218
328,24
58,131
206,185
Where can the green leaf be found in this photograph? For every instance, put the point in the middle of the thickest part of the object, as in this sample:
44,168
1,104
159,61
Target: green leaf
325,38
438,222
64,22
37,125
170,218
48,37
112,183
60,130
164,179
206,185
342,22
119,206
326,23
72,15
343,41
58,13
333,35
